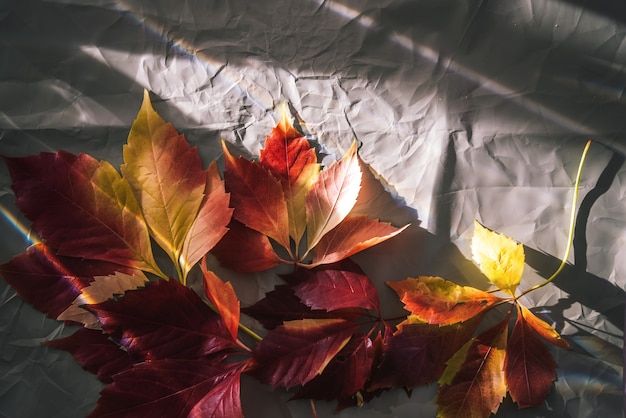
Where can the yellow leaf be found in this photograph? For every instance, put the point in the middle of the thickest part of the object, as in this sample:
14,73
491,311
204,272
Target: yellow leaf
166,175
499,257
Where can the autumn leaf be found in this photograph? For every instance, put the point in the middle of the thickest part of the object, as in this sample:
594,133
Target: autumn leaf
164,320
346,374
297,351
223,297
332,196
95,352
245,250
210,225
166,176
529,369
439,301
500,258
337,286
473,384
174,388
417,352
289,157
544,330
257,197
51,282
100,289
82,208
282,304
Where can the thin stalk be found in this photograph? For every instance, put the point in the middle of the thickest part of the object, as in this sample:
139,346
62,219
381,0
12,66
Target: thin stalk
572,223
251,333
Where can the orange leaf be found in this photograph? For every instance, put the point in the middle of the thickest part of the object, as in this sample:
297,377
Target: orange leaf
332,196
166,175
439,301
353,234
544,330
291,159
257,197
473,384
223,297
209,226
529,368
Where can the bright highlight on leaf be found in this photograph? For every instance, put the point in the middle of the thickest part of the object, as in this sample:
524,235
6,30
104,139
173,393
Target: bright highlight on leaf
499,257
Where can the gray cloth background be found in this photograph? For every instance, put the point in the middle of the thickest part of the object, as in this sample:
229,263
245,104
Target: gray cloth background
466,109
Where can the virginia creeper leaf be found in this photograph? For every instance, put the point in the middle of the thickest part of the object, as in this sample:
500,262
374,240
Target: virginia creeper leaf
439,301
245,250
474,387
353,234
163,320
332,196
50,282
335,287
544,330
82,208
102,288
346,374
166,175
223,297
96,352
529,369
499,257
257,197
210,225
417,352
290,158
173,388
281,304
297,351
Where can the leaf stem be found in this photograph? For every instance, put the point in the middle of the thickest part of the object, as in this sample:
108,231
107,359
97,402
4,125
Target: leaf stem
572,223
251,333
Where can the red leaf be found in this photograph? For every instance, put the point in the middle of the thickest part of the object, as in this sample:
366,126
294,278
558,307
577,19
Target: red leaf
297,351
346,374
82,208
280,305
544,330
439,301
290,158
529,369
164,320
96,352
352,235
174,389
336,287
473,384
50,282
210,224
417,353
223,297
257,197
245,250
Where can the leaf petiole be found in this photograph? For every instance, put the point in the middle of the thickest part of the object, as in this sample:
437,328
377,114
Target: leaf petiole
572,223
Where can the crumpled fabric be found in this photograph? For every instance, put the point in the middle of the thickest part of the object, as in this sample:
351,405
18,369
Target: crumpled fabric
472,110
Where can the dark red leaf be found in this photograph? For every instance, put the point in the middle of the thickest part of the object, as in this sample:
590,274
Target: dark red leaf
164,320
417,353
95,351
337,286
49,282
297,351
529,369
245,250
174,389
281,304
346,374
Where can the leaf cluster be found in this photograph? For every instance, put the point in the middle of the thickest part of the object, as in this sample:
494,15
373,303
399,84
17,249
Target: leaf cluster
165,350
